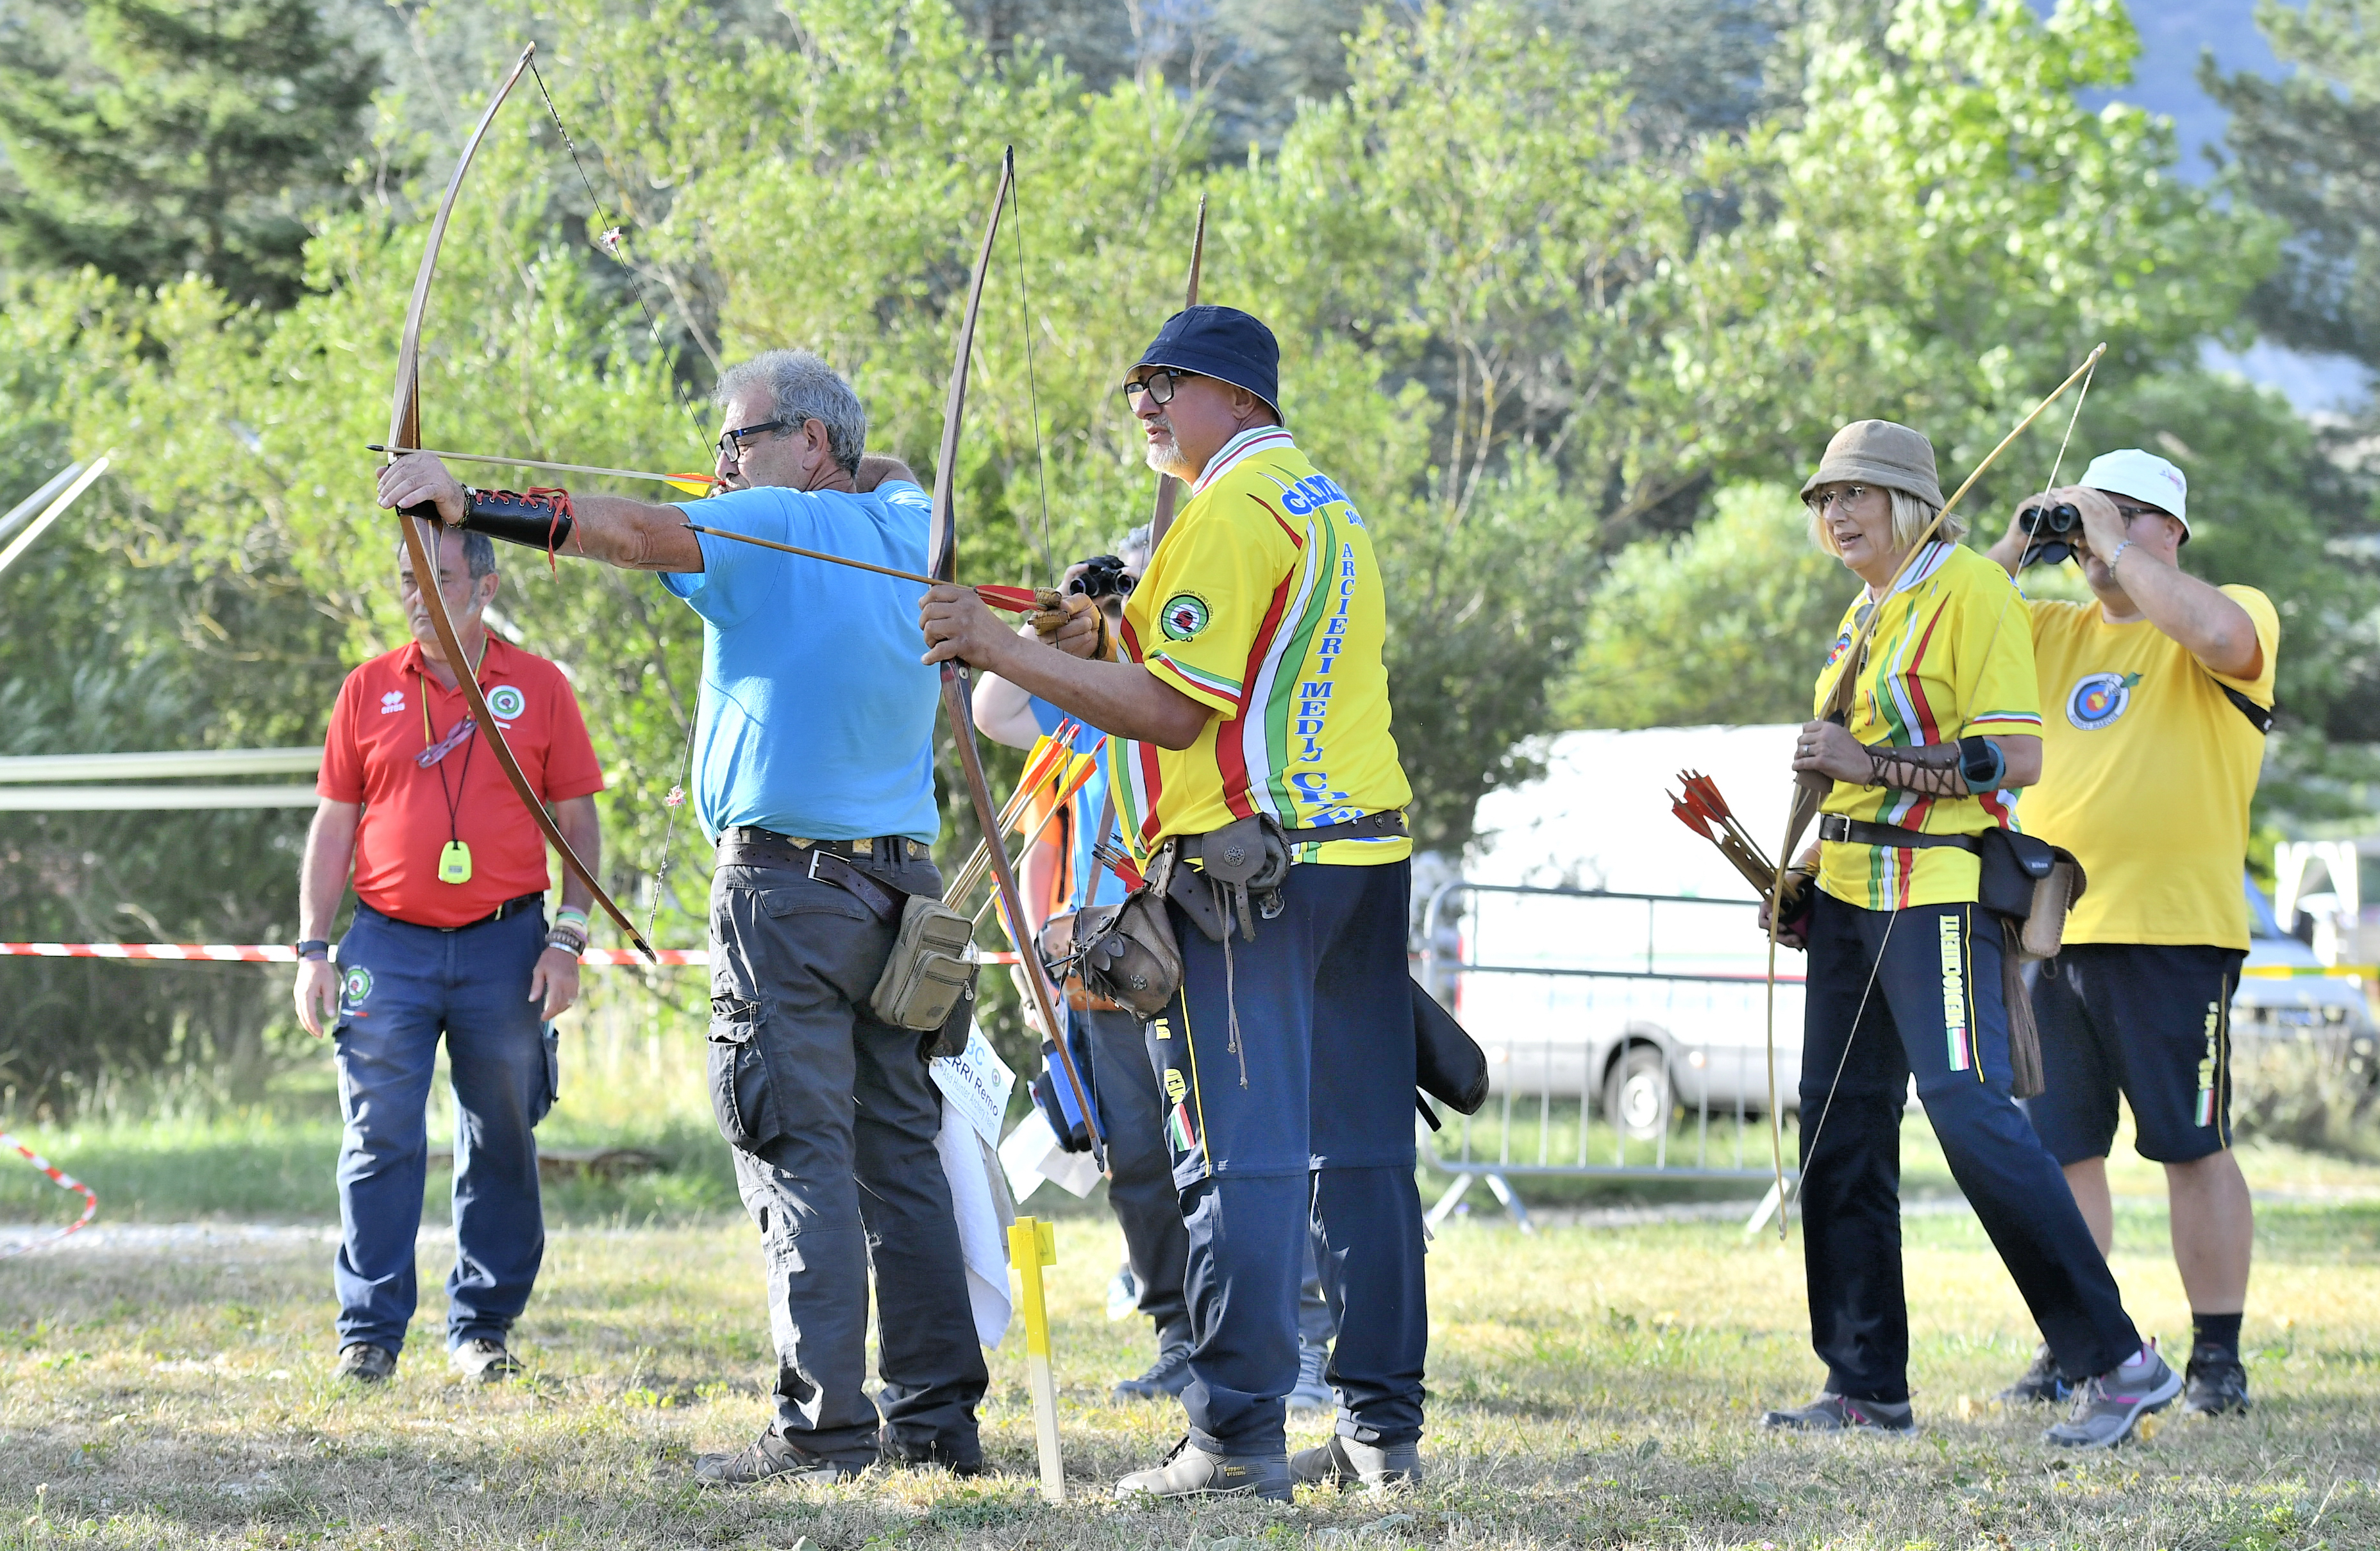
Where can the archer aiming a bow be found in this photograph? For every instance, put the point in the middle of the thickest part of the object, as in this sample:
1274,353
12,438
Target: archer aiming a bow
1250,676
814,773
1905,970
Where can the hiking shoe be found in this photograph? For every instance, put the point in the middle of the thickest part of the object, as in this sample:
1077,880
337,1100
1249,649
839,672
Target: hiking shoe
1342,1461
2041,1382
1167,1378
1191,1472
1313,1392
2217,1382
766,1458
2108,1407
484,1360
932,1456
1831,1412
362,1363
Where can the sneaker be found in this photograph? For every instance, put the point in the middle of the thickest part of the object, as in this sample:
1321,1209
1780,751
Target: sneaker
1191,1472
484,1360
1167,1378
2217,1382
362,1363
2107,1408
768,1457
1831,1412
2041,1382
1344,1460
1124,1292
1313,1392
932,1456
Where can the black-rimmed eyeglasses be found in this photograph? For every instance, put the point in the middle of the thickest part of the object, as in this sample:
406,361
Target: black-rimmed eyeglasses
1158,386
730,445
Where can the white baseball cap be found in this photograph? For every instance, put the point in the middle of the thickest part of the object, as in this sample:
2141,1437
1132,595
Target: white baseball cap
2146,478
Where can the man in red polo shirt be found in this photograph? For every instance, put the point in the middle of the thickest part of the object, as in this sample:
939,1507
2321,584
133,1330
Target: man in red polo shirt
449,937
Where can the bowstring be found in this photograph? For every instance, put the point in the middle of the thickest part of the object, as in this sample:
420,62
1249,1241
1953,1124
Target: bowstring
1893,919
1033,391
614,234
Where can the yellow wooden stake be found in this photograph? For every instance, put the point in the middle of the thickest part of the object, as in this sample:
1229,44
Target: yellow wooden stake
1032,1245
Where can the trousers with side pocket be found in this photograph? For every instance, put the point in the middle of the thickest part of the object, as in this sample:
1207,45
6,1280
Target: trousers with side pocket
403,989
1916,992
831,1117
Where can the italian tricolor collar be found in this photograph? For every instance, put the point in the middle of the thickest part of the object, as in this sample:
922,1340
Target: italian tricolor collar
1939,550
1255,439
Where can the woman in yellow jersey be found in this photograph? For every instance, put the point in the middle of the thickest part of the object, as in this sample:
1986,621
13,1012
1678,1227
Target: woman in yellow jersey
1904,976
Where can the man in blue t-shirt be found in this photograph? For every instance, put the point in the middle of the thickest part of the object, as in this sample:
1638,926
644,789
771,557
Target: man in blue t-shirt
813,772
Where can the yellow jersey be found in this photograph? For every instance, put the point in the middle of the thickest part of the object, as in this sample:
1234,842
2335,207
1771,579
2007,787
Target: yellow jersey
1951,658
2146,774
1264,604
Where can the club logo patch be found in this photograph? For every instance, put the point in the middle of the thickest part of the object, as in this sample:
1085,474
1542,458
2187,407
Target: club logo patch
506,702
2097,699
355,986
1185,614
1842,645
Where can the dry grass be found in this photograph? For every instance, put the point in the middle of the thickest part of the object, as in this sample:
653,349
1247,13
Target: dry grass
1590,1387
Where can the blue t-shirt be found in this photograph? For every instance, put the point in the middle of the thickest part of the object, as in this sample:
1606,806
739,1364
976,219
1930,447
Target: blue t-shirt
1093,883
817,718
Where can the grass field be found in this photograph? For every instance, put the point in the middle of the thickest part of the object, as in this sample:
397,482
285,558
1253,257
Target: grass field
1590,1387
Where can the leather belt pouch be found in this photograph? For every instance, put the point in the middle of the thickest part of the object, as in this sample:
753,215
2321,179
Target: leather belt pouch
1056,944
1127,953
1448,1065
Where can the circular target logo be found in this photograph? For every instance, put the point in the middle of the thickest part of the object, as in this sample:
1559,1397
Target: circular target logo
507,702
2097,699
1185,614
355,985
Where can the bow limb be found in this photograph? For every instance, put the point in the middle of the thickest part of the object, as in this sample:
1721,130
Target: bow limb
941,547
405,430
1169,489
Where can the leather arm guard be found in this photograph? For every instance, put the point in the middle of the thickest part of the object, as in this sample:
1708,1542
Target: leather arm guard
537,520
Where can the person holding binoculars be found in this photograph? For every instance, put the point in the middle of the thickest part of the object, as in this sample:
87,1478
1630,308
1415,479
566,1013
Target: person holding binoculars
2158,693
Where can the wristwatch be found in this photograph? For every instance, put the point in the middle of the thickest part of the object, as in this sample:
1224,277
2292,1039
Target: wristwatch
313,948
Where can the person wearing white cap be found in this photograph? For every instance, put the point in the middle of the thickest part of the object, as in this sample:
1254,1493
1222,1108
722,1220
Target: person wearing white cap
2157,697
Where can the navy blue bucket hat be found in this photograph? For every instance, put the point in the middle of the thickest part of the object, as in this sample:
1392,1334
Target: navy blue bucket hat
1223,343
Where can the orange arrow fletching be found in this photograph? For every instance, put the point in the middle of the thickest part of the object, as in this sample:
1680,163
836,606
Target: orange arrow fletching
1016,599
1689,817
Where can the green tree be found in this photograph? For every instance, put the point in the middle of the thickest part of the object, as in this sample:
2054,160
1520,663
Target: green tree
150,139
2307,149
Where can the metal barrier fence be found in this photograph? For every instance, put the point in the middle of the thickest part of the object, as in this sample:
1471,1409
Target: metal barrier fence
1625,1034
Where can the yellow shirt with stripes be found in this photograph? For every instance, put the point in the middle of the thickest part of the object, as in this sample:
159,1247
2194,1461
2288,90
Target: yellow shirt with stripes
2147,770
1264,604
1951,658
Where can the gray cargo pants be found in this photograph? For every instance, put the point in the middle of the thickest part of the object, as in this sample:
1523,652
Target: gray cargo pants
833,1119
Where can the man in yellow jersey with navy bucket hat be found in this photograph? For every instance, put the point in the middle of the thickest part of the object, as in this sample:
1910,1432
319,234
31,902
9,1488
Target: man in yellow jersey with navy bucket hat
1261,793
2157,693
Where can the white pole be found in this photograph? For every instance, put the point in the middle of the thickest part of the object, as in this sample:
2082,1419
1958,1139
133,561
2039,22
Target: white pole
56,509
24,508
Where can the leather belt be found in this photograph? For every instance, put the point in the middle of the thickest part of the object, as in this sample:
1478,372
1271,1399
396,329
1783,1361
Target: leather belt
510,907
1371,826
1859,831
825,860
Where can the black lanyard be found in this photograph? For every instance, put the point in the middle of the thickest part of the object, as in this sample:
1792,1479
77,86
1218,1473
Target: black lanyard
434,751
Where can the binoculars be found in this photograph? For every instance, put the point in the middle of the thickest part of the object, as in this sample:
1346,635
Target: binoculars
1103,576
2048,528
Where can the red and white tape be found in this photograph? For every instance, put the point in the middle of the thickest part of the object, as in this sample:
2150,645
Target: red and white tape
278,953
65,1182
282,953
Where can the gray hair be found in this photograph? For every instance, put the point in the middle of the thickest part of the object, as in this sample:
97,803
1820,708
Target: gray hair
803,388
479,552
1137,540
1909,516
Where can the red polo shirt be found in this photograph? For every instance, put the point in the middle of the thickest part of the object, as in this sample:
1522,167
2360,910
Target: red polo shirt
369,756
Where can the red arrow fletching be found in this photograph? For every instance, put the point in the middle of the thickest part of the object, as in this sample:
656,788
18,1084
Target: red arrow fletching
1689,817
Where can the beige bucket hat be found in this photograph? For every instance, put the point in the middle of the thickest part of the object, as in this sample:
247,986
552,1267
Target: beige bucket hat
1880,453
